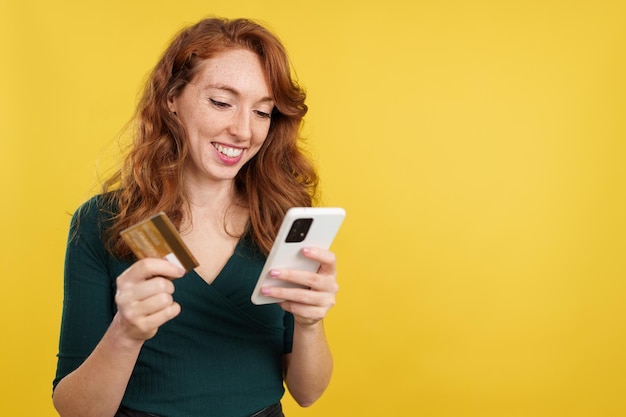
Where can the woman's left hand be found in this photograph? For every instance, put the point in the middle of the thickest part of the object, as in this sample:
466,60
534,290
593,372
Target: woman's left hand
309,305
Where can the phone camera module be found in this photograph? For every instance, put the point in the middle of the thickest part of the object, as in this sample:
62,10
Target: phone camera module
299,230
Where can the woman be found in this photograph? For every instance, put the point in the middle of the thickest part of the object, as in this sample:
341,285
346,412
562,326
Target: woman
216,149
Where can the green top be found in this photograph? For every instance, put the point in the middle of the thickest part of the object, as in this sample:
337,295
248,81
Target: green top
222,356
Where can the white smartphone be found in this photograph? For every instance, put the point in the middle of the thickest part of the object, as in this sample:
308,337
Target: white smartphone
302,227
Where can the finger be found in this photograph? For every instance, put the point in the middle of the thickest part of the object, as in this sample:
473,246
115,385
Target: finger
142,290
326,258
145,327
152,305
136,312
302,296
153,267
304,314
311,280
164,315
148,268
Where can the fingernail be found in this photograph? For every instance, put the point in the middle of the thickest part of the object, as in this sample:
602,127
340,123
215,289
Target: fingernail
306,251
274,273
265,291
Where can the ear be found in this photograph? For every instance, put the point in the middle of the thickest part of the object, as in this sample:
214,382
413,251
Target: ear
171,104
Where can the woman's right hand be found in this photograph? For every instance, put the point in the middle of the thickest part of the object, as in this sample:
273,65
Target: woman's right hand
144,297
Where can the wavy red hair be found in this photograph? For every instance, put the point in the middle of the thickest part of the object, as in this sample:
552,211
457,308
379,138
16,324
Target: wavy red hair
150,180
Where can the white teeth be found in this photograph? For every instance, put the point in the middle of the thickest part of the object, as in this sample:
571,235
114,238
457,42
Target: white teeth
229,152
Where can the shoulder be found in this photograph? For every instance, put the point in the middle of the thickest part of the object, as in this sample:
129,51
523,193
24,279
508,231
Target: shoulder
94,215
101,206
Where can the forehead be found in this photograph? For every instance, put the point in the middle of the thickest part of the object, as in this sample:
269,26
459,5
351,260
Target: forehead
238,69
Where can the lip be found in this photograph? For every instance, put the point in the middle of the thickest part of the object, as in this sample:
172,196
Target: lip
222,151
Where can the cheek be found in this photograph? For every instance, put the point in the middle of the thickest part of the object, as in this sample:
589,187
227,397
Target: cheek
260,135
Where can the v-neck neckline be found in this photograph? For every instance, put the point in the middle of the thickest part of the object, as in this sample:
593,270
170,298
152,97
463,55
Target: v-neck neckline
224,267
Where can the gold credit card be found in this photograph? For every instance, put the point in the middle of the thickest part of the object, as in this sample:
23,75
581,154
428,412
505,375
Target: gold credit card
157,237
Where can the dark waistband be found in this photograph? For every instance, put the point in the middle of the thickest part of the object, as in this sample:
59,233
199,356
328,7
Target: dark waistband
127,412
275,410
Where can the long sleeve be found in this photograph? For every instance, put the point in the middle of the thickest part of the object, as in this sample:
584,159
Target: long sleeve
88,306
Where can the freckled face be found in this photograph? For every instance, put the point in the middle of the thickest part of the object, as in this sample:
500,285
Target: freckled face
226,111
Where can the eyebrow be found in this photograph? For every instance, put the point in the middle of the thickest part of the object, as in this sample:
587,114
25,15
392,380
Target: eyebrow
235,92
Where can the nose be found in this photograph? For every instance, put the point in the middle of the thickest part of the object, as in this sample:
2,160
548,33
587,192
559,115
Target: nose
241,126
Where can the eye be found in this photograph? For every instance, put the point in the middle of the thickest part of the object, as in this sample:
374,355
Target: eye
219,104
262,114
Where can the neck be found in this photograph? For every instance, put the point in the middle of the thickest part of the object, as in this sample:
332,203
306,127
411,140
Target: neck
213,205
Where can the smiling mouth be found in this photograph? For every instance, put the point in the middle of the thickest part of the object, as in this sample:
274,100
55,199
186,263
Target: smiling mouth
228,151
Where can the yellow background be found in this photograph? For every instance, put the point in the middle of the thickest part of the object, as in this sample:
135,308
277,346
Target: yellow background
477,146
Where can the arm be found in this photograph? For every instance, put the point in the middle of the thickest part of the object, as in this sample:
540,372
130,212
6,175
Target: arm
309,366
144,301
98,347
96,387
